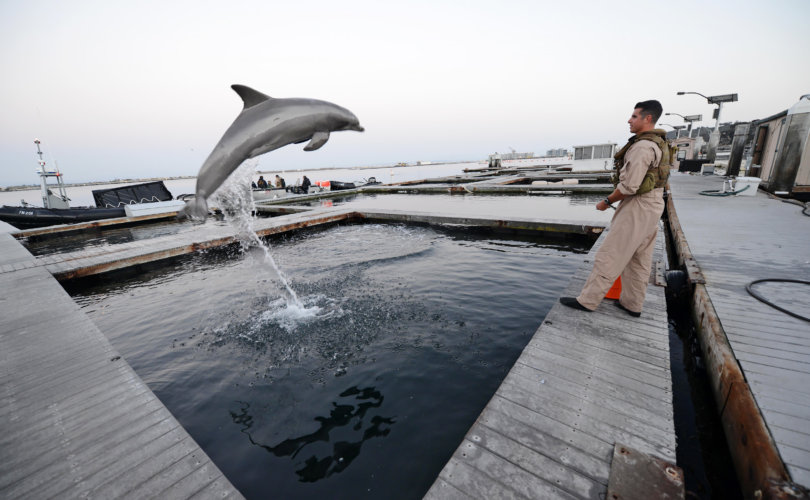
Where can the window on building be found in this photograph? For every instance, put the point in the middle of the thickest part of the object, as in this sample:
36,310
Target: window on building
583,153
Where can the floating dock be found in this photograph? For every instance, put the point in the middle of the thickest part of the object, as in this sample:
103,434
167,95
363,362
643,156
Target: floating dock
758,358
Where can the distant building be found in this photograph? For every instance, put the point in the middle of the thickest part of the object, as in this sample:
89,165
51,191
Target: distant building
557,152
511,156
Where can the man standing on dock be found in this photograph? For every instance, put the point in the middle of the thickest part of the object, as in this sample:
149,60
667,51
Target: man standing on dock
629,244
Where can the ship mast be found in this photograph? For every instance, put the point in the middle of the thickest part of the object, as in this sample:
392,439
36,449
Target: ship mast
50,200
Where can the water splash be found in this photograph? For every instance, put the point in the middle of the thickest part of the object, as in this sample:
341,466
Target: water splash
289,316
235,200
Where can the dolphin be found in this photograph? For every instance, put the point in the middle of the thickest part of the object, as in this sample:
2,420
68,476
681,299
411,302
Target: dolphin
265,124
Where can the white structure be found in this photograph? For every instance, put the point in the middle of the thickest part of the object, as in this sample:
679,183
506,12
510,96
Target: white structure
594,157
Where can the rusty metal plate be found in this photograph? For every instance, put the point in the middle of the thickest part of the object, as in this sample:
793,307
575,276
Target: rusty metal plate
660,274
636,475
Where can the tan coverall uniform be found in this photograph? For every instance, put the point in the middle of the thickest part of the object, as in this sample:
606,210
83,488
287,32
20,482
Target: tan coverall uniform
628,247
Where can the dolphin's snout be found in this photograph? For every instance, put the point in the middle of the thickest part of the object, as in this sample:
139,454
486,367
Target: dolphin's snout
358,128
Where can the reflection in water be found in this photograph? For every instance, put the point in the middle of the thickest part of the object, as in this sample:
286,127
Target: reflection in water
342,415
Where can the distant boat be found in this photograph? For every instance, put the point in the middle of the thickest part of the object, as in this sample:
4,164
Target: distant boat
295,191
56,209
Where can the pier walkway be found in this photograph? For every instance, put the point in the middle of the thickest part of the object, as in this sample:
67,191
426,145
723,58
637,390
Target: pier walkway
587,387
734,241
76,419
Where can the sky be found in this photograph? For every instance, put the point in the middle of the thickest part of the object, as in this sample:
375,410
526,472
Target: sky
136,89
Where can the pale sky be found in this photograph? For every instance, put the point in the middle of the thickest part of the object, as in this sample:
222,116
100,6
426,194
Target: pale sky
122,88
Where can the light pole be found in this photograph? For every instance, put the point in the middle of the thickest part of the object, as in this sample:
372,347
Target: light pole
714,138
688,119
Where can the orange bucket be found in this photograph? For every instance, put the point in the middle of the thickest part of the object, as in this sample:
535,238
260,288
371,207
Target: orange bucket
616,290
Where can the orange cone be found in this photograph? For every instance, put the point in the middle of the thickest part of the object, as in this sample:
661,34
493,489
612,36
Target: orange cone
616,290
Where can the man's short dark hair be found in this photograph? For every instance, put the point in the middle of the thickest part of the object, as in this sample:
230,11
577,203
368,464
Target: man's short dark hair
651,107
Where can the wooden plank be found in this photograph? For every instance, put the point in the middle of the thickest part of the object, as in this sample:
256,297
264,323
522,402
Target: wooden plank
606,361
760,345
654,389
505,473
534,433
773,376
796,437
588,417
549,427
587,388
473,482
74,414
443,489
621,393
790,406
796,367
537,463
654,355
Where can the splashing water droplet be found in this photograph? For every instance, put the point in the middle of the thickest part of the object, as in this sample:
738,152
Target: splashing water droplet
236,200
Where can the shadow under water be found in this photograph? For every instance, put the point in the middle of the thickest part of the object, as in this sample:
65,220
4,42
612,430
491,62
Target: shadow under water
320,465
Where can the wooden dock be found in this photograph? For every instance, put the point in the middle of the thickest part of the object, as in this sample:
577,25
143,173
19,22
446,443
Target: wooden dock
87,262
587,387
76,419
757,356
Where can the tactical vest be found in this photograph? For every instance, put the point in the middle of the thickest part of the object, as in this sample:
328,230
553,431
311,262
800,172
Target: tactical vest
656,177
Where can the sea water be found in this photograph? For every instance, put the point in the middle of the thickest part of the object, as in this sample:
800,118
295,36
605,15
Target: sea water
413,330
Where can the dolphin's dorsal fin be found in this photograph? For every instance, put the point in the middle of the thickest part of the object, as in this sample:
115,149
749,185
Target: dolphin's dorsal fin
249,96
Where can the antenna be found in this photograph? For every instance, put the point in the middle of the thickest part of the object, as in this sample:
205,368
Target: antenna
39,152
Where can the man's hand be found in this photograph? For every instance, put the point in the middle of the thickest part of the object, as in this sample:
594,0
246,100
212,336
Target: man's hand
605,203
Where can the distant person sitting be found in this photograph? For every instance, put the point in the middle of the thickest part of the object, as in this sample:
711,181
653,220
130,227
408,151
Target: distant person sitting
305,185
262,183
279,182
253,185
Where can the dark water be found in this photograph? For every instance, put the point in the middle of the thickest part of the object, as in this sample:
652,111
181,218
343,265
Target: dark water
367,390
702,450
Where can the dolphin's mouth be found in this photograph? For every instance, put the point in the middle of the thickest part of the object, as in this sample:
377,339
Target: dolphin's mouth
357,128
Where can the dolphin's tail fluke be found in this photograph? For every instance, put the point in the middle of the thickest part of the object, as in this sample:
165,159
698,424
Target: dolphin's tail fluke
196,209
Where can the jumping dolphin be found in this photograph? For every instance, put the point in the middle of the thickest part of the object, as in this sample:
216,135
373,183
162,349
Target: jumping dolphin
263,125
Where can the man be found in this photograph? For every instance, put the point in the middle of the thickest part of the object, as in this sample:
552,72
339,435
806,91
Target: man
262,184
629,244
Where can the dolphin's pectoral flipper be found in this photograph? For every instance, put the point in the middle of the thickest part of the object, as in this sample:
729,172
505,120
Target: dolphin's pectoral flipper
249,96
318,140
